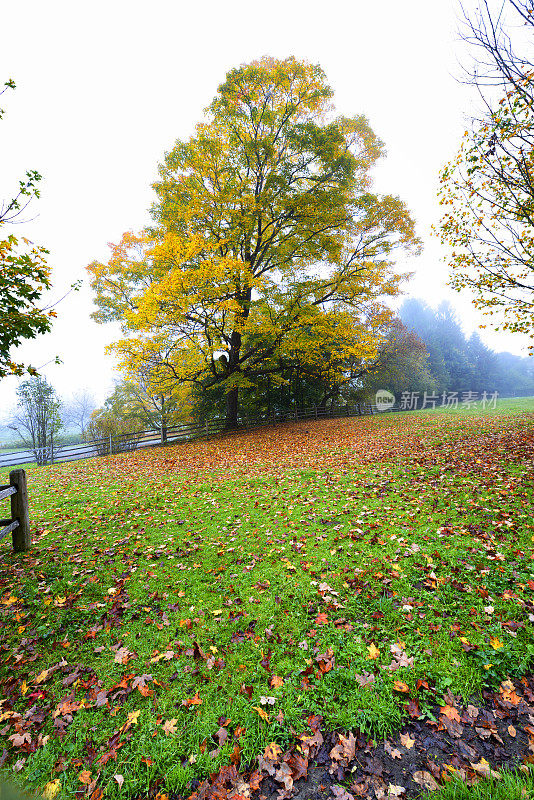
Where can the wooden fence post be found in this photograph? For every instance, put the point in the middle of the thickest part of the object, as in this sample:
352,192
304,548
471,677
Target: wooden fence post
22,539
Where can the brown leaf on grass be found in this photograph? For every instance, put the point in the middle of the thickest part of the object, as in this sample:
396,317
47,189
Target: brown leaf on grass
222,735
18,739
400,686
425,779
169,726
367,679
270,757
85,777
276,680
139,682
192,701
123,655
413,709
484,769
236,755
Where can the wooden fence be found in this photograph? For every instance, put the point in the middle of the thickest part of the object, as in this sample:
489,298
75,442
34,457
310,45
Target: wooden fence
175,434
19,524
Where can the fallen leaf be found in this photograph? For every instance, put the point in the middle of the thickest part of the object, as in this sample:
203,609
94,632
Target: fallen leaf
425,779
373,651
340,793
51,789
392,751
406,741
169,726
484,769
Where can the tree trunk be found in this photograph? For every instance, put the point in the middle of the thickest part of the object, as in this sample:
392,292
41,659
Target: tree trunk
163,422
232,405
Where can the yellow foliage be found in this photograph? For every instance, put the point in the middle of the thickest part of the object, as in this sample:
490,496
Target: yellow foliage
268,243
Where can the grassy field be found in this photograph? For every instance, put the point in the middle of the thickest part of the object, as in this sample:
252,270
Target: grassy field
185,607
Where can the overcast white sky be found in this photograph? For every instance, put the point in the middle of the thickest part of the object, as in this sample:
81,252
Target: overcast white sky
104,88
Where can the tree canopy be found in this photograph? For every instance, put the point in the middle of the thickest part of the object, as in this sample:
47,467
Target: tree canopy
267,240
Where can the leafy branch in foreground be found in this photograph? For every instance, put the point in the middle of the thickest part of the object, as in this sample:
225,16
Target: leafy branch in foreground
24,276
488,191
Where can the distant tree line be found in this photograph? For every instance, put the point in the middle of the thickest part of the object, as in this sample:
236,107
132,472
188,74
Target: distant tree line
423,349
457,363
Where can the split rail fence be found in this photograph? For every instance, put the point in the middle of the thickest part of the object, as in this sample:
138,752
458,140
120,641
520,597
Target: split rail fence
175,434
19,523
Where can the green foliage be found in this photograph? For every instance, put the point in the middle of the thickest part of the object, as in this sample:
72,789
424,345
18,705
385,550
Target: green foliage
24,275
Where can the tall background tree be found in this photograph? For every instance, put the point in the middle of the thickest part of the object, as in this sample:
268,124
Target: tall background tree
24,275
77,411
38,417
268,244
487,191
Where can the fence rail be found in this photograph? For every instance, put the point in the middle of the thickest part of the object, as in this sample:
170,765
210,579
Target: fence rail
19,524
174,434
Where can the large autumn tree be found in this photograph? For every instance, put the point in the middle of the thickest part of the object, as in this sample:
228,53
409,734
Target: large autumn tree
487,191
266,236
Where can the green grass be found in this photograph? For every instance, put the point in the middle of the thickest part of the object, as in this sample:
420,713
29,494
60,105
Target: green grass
513,786
221,568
